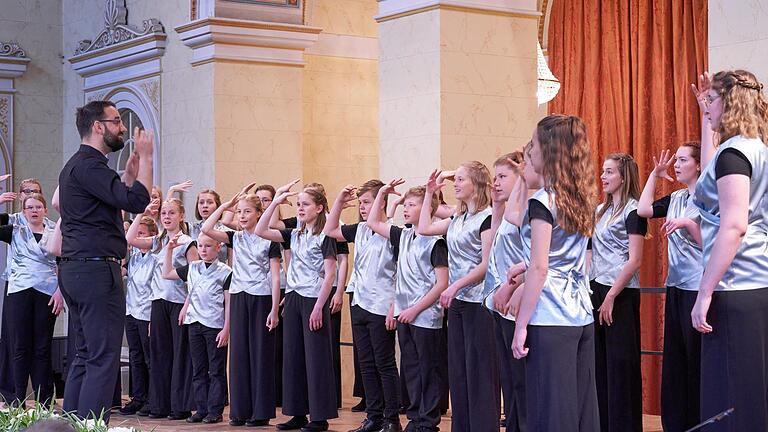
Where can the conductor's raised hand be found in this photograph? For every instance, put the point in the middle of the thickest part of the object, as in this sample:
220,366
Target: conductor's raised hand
143,141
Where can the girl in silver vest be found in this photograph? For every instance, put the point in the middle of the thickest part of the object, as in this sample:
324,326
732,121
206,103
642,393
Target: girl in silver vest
308,384
554,328
731,308
506,251
617,250
206,202
255,300
33,300
681,366
373,290
206,315
171,371
422,275
138,304
472,368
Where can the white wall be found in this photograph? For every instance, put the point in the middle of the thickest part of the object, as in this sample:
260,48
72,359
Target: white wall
738,36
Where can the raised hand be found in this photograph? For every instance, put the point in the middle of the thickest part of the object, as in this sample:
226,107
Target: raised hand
286,187
662,164
672,225
389,188
701,92
173,243
152,208
239,195
446,175
7,197
5,177
434,182
180,187
283,197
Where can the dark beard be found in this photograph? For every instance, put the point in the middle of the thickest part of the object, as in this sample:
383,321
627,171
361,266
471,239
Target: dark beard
113,142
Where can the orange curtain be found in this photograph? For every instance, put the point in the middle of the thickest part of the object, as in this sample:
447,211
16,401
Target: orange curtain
625,67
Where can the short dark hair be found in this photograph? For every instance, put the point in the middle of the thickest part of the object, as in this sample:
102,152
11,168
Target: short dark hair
89,113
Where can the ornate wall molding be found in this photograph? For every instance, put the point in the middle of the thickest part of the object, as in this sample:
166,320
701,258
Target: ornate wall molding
13,64
11,49
4,116
117,29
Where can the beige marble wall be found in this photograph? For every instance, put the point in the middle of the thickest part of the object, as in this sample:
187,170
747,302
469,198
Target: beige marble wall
37,27
738,36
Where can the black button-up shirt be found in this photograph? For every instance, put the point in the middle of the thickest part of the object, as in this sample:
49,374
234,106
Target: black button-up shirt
91,196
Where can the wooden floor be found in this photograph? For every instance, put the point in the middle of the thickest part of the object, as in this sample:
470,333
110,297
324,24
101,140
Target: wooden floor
347,420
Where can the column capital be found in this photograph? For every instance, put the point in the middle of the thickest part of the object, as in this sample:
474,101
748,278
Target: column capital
13,64
235,40
393,9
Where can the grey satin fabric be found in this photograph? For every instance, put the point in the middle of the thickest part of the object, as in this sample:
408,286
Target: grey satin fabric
250,264
685,266
749,269
196,228
374,271
174,291
206,293
138,296
31,265
465,252
19,219
306,270
506,251
610,247
416,277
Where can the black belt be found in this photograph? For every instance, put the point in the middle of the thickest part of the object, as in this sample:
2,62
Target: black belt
107,259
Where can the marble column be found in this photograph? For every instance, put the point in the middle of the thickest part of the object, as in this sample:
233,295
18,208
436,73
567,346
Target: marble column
457,82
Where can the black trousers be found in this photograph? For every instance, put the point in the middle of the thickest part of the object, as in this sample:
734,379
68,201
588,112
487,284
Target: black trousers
308,380
512,376
93,291
252,354
209,369
171,362
30,324
357,386
278,356
681,366
137,335
442,369
734,361
419,360
617,362
472,368
375,347
7,386
560,373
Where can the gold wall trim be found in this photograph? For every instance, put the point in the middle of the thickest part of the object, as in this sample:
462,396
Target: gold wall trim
457,8
262,25
118,47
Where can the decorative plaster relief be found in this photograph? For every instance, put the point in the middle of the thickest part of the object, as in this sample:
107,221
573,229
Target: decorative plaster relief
117,29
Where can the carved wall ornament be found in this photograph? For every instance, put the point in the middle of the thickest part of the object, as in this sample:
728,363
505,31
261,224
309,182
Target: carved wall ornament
12,49
4,117
117,29
152,90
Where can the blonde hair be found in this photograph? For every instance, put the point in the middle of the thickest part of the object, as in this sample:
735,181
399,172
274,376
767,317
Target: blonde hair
31,181
567,171
515,156
631,186
35,196
150,223
253,200
419,192
745,109
480,177
182,225
318,198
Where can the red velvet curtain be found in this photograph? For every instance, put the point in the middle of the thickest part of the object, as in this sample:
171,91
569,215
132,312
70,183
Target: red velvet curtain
625,67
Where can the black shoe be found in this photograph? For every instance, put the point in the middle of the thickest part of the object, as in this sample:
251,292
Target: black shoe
144,411
197,418
296,422
157,416
257,423
360,407
368,425
315,426
392,427
179,415
237,422
131,408
212,418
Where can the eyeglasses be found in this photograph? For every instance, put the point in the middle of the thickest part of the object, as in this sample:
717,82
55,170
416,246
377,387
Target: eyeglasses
114,121
30,191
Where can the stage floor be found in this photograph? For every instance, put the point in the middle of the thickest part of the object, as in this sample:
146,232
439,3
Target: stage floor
347,420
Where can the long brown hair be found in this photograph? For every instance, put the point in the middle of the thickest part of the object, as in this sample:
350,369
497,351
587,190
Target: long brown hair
318,198
216,199
631,186
480,177
745,109
568,172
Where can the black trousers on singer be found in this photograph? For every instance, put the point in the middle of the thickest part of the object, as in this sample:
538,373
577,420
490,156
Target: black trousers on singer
94,294
357,386
512,376
209,369
137,335
171,362
7,389
617,361
419,362
252,354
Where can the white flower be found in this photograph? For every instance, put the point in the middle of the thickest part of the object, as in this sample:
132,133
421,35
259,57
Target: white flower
120,429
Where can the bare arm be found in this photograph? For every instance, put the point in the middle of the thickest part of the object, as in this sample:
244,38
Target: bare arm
660,168
474,276
274,272
168,271
222,339
316,317
426,226
517,203
625,275
263,228
132,236
708,135
374,221
332,227
209,225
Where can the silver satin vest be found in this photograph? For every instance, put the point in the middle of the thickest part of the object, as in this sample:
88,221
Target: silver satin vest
416,277
565,298
19,219
206,293
507,250
465,252
196,228
174,291
749,268
138,296
31,265
306,270
610,246
684,254
250,265
374,272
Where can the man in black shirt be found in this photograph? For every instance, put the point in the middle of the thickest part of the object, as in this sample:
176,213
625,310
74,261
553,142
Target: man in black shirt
93,243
